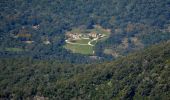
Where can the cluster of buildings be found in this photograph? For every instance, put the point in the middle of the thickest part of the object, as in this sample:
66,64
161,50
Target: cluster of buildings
95,35
75,36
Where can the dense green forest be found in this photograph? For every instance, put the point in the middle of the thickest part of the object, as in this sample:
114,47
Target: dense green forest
129,59
140,76
25,26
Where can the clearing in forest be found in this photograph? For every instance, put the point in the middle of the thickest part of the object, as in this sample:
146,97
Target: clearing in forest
83,40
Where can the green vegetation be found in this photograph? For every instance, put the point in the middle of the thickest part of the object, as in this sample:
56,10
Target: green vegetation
84,43
142,75
94,42
37,63
77,30
82,49
100,30
14,49
49,20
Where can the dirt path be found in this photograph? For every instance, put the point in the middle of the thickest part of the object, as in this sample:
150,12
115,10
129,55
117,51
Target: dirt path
89,43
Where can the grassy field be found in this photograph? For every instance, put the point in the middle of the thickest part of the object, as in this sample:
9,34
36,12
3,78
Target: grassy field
82,41
14,49
82,49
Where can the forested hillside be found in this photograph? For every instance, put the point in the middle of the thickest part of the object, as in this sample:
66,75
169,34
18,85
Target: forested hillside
84,49
37,28
140,76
